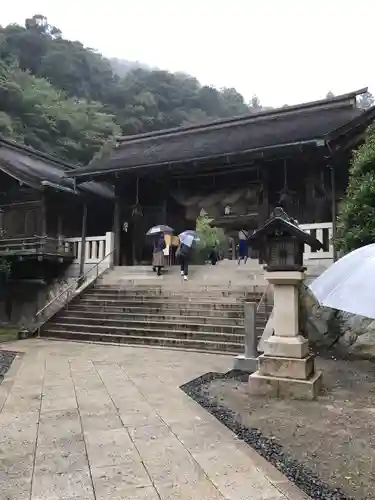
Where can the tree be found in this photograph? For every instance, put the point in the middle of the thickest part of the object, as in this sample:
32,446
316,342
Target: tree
330,95
356,220
365,100
255,103
59,96
35,113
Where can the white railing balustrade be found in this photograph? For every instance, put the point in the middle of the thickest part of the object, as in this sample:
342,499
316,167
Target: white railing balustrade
322,232
96,248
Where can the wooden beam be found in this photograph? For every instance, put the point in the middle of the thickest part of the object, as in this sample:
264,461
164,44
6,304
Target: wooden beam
83,240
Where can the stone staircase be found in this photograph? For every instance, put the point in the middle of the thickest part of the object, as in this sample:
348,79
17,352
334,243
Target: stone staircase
134,306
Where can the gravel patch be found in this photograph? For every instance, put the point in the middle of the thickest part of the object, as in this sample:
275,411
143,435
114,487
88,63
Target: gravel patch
326,447
6,359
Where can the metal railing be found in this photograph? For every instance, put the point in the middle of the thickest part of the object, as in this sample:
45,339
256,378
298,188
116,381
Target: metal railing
70,292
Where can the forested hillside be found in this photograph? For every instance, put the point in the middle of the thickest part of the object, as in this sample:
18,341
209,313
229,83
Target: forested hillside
63,98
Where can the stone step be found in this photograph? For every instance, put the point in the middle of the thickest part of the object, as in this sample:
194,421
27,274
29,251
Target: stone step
183,310
161,341
110,325
161,292
172,298
219,319
147,331
163,304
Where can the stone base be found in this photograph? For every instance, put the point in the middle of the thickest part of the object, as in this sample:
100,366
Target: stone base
266,385
293,368
248,365
286,347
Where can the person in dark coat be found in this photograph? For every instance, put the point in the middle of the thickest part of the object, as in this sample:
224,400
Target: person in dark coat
183,256
213,256
158,254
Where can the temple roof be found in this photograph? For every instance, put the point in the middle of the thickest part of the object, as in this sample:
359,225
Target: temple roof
39,170
309,123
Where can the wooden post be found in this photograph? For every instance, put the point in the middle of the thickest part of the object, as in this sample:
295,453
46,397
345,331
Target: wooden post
265,202
83,240
60,232
234,248
333,191
117,230
44,214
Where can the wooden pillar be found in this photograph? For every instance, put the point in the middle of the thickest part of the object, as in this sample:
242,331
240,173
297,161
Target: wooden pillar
333,191
234,257
164,213
264,209
117,230
83,240
44,214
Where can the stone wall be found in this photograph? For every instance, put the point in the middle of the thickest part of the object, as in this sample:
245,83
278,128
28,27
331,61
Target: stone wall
327,328
28,299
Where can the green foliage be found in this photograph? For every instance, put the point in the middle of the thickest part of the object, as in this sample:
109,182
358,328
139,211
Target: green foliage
211,238
60,97
356,221
41,116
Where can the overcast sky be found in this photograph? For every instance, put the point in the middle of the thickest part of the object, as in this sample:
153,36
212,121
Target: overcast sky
285,51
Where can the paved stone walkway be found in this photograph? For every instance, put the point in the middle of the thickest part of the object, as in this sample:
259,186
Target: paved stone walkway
93,422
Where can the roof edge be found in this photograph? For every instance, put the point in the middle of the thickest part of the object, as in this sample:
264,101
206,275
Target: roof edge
363,120
321,103
83,172
33,152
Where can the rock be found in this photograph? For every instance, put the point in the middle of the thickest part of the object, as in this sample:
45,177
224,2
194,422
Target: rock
365,343
347,339
325,327
317,323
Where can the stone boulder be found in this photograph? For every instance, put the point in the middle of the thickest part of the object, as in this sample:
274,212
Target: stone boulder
326,327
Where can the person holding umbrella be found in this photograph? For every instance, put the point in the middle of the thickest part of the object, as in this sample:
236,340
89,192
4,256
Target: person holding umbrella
157,232
187,238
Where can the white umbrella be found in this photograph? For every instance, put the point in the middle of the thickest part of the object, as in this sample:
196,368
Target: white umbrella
349,284
189,237
159,230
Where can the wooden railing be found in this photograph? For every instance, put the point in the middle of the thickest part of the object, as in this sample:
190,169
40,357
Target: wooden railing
34,245
323,232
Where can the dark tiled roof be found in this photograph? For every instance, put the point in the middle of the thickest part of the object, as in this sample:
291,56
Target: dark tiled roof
254,132
33,168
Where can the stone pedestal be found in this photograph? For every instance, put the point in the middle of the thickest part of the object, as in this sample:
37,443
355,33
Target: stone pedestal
286,369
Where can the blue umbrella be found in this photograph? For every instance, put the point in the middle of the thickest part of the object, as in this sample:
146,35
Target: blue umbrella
189,237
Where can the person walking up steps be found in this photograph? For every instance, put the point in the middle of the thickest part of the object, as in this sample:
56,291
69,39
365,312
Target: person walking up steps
243,250
158,254
183,255
187,239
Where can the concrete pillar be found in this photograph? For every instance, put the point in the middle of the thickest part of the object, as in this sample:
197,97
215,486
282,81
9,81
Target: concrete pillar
286,369
247,362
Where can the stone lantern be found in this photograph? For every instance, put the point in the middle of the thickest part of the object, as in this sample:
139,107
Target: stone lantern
286,368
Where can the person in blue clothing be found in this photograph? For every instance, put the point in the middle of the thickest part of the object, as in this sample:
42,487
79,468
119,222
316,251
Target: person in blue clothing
158,254
243,248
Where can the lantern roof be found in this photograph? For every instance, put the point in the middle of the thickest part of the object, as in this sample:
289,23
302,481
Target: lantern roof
281,224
